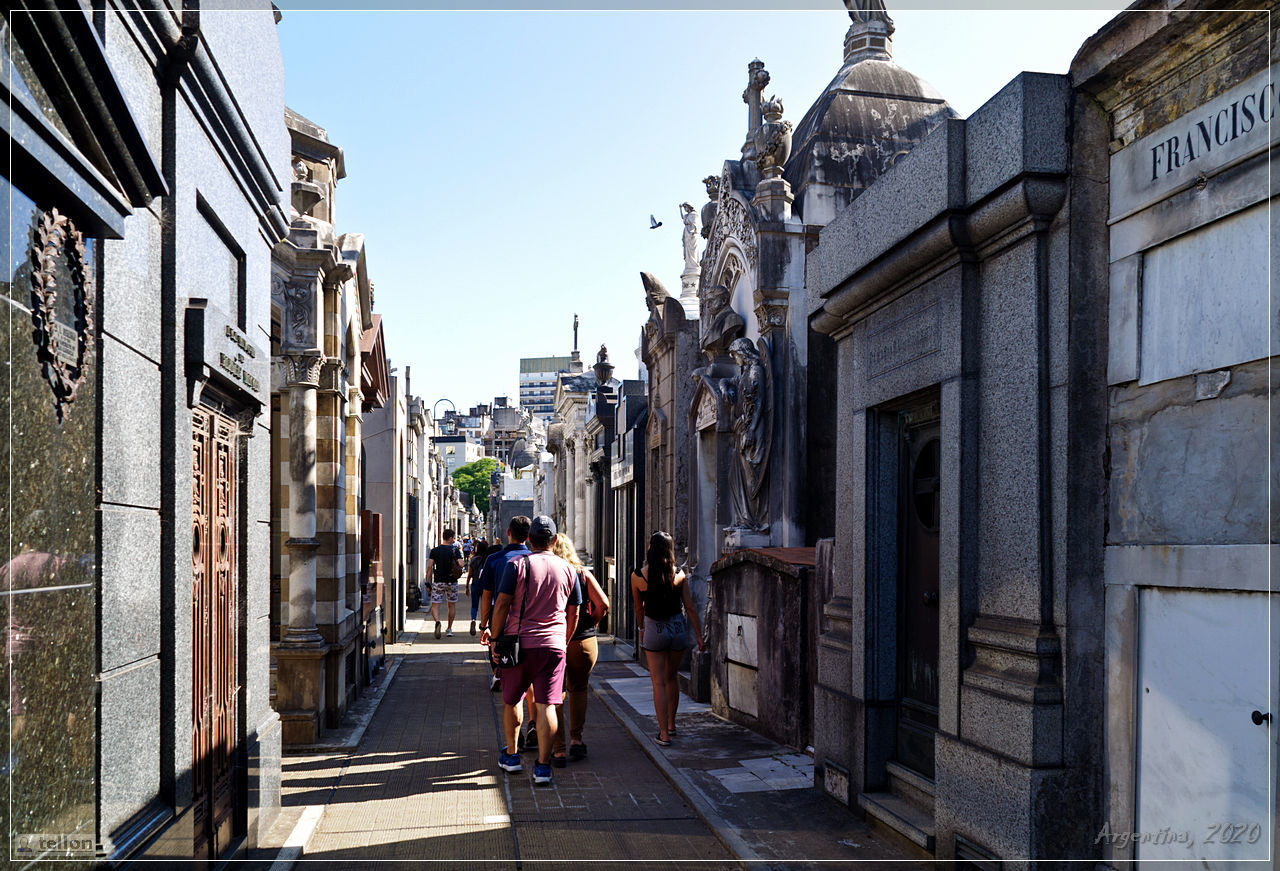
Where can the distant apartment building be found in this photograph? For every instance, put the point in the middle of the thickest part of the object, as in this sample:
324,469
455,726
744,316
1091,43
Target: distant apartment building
538,383
457,451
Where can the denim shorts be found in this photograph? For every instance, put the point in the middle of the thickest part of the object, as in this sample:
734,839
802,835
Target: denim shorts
669,634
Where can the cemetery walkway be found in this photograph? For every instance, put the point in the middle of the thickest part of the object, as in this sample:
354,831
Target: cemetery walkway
422,786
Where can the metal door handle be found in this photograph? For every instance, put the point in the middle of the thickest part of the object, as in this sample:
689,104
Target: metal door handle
1259,718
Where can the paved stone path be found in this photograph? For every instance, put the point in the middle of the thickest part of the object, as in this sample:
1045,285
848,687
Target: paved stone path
424,784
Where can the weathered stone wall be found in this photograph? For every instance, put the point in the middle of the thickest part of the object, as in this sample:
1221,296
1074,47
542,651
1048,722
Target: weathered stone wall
1184,111
758,634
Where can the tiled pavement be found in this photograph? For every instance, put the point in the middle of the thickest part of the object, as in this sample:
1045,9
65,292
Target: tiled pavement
758,795
424,785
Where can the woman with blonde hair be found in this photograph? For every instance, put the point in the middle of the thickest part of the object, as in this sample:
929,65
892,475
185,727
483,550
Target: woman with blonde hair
580,657
664,612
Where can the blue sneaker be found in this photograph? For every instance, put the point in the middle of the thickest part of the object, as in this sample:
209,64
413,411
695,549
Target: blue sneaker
509,762
541,773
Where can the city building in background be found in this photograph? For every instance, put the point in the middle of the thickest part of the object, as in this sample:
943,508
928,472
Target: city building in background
538,384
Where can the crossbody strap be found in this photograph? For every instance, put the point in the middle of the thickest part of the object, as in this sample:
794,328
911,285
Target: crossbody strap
524,600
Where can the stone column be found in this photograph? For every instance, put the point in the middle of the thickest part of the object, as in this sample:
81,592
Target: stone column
580,493
568,476
300,654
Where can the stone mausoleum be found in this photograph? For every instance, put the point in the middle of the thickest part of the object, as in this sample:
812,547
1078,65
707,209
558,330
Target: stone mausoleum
1046,622
146,186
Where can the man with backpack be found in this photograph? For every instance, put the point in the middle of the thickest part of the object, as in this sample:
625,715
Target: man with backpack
446,561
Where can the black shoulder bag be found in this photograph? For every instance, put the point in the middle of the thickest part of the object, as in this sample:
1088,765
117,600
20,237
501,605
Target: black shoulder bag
506,648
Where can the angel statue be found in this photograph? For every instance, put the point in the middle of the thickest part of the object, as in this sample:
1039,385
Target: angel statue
751,395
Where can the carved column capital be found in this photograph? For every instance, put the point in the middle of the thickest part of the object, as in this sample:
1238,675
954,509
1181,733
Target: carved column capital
771,314
332,375
303,370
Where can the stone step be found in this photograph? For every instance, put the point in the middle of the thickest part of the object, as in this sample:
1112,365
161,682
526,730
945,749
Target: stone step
901,816
911,786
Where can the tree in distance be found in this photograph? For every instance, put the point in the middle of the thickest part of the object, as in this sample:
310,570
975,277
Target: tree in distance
473,478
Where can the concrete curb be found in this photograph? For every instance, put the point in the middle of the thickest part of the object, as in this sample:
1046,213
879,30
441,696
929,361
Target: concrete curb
702,806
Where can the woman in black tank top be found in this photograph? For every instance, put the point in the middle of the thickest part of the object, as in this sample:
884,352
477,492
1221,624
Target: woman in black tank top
664,613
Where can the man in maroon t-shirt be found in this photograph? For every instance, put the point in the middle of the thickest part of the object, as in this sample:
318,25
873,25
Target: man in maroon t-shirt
537,598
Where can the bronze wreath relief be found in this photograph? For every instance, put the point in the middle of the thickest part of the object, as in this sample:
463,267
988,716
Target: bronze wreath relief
61,347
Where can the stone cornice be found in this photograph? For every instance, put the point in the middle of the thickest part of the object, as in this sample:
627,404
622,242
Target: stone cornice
939,203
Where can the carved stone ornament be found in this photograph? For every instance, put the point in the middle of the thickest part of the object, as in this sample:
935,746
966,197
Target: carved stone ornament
773,140
61,347
654,293
298,316
303,369
712,183
733,220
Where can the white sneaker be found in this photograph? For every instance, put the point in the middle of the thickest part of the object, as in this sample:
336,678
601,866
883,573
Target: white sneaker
449,634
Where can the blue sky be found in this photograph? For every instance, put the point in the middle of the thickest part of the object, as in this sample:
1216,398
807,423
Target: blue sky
503,165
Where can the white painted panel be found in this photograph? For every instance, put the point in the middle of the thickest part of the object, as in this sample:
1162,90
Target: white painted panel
742,689
740,639
1204,298
1202,762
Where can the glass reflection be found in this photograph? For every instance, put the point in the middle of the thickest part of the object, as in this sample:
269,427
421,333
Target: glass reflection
47,574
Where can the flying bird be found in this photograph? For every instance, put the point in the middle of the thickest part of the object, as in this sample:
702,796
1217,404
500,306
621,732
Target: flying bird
654,223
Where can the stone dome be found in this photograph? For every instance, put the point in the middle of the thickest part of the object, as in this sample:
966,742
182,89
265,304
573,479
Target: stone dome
872,112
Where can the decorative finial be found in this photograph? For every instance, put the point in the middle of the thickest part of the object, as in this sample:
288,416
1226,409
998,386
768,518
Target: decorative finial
869,37
773,140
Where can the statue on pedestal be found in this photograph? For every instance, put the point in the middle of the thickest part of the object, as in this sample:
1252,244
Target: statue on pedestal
690,237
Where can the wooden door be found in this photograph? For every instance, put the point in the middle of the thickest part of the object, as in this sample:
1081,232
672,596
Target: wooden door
214,686
918,516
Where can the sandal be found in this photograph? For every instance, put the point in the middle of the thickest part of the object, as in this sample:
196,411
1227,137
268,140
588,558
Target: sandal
662,742
559,761
577,751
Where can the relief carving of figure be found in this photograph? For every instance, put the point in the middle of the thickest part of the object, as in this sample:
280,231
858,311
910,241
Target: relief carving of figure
750,393
690,237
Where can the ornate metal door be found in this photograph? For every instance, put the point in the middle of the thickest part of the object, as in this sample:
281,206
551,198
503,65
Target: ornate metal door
214,687
918,509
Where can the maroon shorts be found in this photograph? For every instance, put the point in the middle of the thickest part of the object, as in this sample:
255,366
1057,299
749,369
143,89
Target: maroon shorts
543,667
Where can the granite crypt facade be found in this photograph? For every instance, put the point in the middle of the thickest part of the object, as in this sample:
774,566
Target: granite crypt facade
147,186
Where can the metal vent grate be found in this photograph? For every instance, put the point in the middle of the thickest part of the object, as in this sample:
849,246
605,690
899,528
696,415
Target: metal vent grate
970,855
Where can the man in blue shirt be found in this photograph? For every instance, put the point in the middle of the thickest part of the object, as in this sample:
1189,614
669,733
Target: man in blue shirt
491,574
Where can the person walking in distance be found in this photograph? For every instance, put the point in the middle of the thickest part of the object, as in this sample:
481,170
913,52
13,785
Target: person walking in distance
664,612
580,656
474,567
446,561
537,600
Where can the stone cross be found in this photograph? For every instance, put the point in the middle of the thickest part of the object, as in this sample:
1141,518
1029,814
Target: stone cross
757,81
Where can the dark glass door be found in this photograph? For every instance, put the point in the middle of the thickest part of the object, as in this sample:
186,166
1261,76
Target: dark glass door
918,508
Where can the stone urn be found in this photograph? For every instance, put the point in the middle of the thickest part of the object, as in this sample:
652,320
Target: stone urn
773,140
